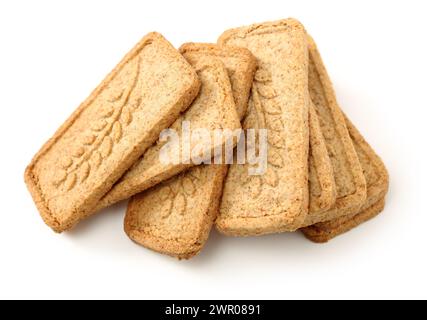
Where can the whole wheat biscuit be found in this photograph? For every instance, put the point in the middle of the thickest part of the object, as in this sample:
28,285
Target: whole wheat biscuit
214,108
320,172
109,131
240,65
349,179
277,200
343,224
175,217
377,185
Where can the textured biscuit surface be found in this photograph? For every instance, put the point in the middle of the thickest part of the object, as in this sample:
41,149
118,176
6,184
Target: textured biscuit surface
320,172
349,179
240,65
110,130
214,108
377,185
176,216
277,200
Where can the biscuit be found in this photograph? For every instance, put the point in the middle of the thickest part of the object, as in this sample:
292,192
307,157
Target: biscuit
349,179
214,108
240,65
110,130
278,199
342,224
175,217
377,185
322,189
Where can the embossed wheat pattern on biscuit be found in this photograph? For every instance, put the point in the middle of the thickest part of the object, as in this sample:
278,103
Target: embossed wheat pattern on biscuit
266,113
97,143
174,196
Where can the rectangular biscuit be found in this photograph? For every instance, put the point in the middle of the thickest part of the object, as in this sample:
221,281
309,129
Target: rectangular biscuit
278,199
214,108
175,217
377,185
110,130
349,179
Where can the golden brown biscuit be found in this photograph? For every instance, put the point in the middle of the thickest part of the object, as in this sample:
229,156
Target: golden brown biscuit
176,216
277,200
110,130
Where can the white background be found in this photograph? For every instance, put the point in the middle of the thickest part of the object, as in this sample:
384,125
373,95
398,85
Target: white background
53,53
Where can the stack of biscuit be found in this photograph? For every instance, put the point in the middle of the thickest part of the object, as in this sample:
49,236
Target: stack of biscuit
321,177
